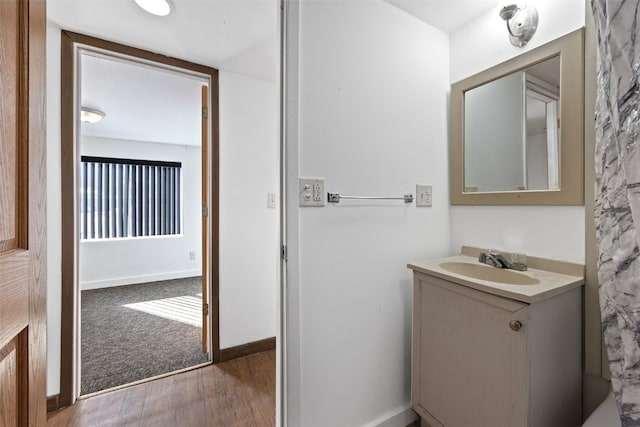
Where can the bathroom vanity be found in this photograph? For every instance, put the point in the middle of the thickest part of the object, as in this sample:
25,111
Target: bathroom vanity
496,347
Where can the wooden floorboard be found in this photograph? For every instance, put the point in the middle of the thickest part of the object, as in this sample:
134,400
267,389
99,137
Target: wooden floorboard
240,392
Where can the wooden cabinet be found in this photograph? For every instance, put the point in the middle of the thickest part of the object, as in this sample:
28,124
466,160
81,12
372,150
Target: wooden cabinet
485,360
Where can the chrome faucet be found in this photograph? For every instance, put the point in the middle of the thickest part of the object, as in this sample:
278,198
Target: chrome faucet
496,259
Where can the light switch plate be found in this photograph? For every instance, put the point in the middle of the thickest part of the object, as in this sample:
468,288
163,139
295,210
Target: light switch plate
271,200
311,192
423,195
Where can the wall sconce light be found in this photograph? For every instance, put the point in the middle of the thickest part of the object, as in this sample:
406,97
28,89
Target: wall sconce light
90,115
522,23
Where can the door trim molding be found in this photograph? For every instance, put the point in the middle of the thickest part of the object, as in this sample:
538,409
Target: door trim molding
37,201
69,250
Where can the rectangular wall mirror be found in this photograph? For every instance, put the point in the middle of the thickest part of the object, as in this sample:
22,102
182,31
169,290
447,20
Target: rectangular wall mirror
517,129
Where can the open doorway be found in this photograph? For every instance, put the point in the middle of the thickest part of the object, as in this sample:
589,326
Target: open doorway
142,211
140,197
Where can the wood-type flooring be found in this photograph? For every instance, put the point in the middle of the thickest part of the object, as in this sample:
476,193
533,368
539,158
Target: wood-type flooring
237,393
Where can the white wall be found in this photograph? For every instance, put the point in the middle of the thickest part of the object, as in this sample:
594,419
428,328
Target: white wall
556,232
484,41
249,239
248,124
146,259
373,88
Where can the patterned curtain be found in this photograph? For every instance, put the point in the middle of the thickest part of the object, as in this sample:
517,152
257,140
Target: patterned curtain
617,207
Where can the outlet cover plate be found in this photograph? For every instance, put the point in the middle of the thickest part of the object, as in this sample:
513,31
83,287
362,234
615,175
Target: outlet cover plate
311,192
424,195
271,200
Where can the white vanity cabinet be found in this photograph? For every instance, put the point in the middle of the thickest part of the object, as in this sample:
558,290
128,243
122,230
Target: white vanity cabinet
481,359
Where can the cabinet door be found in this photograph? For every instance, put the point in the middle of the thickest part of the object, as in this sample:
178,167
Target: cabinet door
469,364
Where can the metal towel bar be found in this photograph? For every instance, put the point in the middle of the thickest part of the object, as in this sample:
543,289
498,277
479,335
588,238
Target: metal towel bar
335,198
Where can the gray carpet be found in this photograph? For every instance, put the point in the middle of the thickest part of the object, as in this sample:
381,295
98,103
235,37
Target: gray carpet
124,344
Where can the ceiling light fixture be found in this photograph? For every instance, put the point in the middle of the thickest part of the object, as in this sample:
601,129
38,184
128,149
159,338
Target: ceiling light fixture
522,23
90,115
156,7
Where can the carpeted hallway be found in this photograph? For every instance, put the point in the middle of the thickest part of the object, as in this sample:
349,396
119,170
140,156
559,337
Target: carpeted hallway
133,332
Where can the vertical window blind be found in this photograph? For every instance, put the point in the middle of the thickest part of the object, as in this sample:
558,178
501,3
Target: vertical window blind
129,198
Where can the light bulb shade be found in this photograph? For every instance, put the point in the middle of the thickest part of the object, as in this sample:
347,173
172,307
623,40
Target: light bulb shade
508,11
155,7
90,115
522,23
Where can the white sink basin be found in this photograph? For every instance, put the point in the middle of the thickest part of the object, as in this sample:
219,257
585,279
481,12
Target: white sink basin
489,273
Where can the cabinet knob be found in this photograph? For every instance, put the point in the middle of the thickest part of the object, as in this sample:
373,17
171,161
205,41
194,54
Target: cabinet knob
515,325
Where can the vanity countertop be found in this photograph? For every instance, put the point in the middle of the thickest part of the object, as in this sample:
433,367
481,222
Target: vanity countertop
551,277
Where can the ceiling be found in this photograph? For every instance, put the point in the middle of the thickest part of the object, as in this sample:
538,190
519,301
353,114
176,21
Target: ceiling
141,103
446,15
238,36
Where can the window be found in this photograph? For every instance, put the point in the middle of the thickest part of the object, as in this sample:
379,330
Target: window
129,198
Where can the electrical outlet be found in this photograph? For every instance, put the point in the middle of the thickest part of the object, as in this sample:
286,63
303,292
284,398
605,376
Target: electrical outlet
317,192
192,255
311,192
423,195
271,200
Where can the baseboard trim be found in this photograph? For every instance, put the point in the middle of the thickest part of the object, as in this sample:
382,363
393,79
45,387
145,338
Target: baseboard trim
401,417
247,349
133,280
53,403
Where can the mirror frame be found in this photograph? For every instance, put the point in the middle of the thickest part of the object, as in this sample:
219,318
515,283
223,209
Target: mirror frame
571,50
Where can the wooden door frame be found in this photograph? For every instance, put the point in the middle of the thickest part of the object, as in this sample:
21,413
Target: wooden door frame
69,157
23,247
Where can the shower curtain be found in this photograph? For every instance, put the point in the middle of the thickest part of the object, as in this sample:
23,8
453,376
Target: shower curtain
617,205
